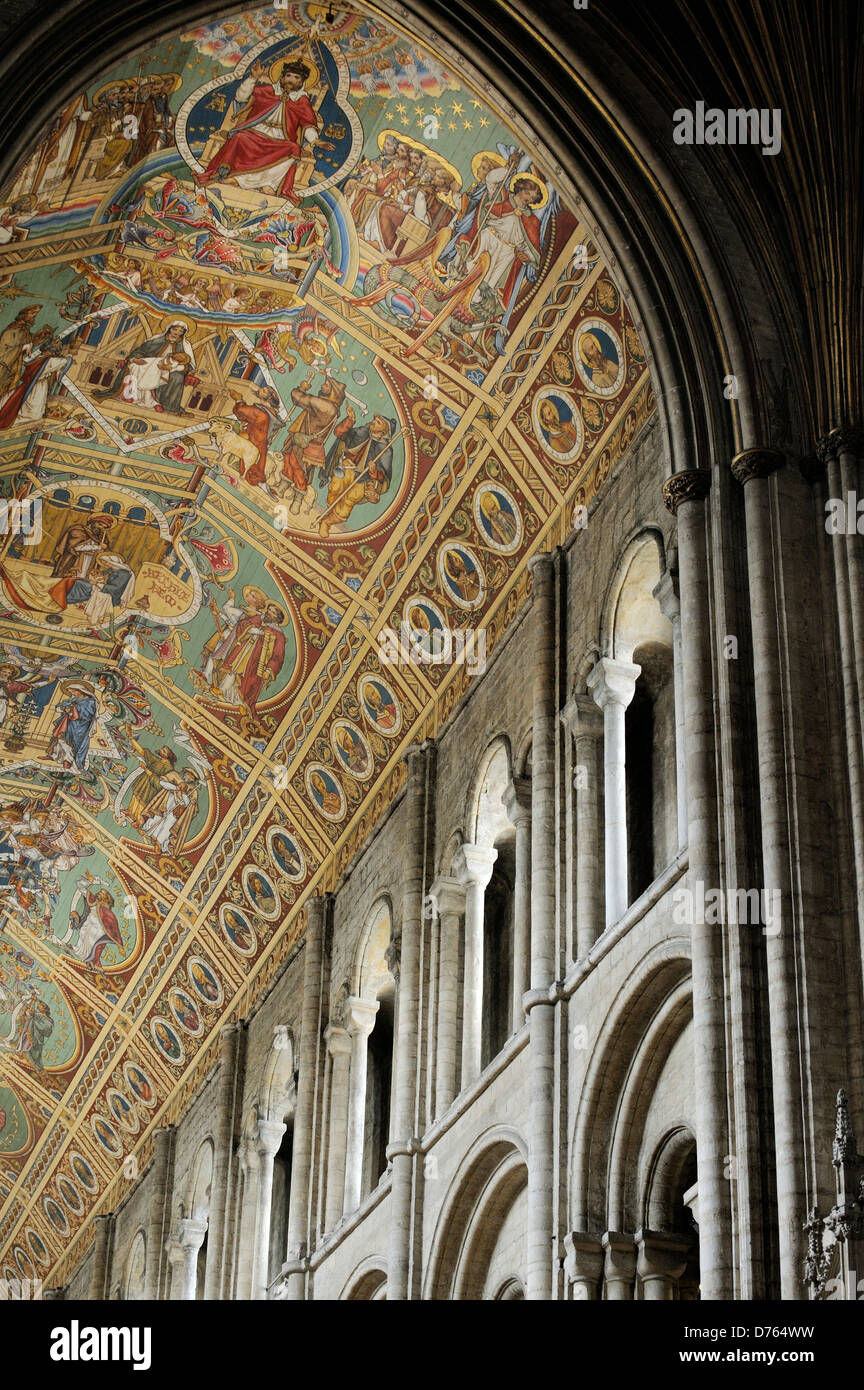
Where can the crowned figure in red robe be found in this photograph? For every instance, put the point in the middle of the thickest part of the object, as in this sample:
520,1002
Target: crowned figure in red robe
269,132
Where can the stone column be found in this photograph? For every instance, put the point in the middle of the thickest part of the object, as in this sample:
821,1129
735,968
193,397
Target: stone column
612,684
174,1257
583,1265
192,1235
270,1134
339,1047
101,1275
450,898
161,1182
248,1162
418,798
359,1022
661,1261
684,495
222,1159
538,1002
666,594
753,469
517,800
584,723
473,867
619,1266
304,1115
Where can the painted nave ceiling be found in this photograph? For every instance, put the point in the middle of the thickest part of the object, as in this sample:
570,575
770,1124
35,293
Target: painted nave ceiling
272,413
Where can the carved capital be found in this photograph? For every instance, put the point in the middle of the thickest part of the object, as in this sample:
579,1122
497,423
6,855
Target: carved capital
613,682
581,717
666,593
756,463
583,1260
517,799
473,864
845,439
270,1137
693,485
448,896
661,1256
360,1016
192,1234
338,1040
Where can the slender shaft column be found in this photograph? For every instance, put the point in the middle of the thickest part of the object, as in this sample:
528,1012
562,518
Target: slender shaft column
192,1235
619,1267
612,684
517,800
222,1155
661,1261
270,1134
161,1181
449,895
753,469
685,495
418,798
248,1160
666,594
174,1259
359,1021
339,1046
101,1275
583,1265
304,1115
584,722
473,867
539,1006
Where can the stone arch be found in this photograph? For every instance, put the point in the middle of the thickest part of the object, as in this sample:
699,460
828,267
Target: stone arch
649,1001
631,615
198,1206
367,1282
133,1283
371,970
491,1178
277,1093
486,816
665,1179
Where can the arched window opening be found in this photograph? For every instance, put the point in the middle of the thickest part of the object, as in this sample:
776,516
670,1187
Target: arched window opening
498,951
379,1077
650,764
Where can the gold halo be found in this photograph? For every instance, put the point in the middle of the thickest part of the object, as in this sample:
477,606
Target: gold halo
582,337
433,155
495,159
532,178
311,80
250,589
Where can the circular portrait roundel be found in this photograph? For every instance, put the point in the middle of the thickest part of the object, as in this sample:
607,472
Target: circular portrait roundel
83,1172
167,1040
24,1263
69,1194
461,575
106,1135
380,706
285,854
185,1011
56,1215
122,1111
351,749
238,932
205,982
325,791
497,518
261,894
425,630
557,423
599,357
140,1084
37,1246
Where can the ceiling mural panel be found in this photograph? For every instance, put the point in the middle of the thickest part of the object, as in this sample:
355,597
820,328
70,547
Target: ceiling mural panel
303,352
